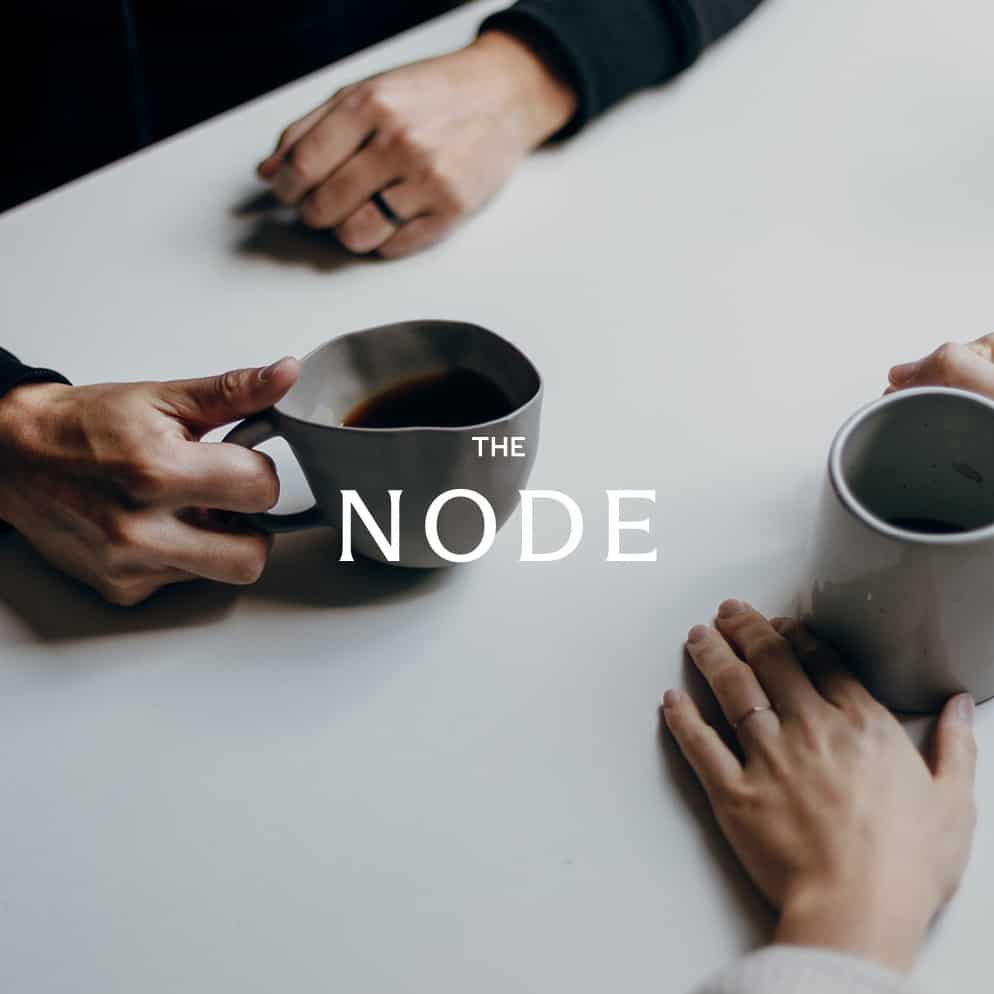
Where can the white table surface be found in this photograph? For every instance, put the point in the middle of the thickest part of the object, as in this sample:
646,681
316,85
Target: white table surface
356,779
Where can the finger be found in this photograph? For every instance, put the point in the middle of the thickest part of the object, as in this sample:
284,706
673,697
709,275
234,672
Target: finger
366,230
771,658
327,146
954,748
129,590
715,764
290,136
348,188
950,365
732,682
412,199
835,682
221,476
416,235
237,556
217,400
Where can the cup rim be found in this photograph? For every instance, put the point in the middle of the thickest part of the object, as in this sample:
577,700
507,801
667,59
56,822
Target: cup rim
533,399
856,507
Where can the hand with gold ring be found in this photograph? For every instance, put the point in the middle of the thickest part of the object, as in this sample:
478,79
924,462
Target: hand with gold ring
847,830
393,162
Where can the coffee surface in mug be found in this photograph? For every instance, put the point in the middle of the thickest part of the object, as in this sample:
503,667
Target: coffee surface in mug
453,398
928,526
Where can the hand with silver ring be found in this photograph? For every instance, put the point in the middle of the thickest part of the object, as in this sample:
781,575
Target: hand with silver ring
755,709
846,829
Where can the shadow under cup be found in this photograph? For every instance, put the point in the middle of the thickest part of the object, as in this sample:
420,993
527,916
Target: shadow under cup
903,557
422,461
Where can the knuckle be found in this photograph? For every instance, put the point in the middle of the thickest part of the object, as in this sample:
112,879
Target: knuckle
249,568
353,99
302,160
147,480
119,536
409,146
738,797
352,238
766,646
318,210
227,387
378,101
728,678
947,360
123,593
358,233
453,201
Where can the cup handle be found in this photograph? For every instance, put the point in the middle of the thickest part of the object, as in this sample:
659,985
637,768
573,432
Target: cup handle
254,431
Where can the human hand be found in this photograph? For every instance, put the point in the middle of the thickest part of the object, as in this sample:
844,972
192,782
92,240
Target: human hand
830,808
435,140
969,366
111,484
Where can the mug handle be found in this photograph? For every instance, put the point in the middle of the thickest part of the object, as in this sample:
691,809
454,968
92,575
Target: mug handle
254,431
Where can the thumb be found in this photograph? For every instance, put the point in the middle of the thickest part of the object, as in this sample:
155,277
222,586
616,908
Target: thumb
216,400
951,365
954,749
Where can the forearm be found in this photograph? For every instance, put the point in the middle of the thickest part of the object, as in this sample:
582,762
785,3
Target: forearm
797,970
609,50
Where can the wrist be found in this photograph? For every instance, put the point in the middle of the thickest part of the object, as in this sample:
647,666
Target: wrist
540,100
21,418
873,922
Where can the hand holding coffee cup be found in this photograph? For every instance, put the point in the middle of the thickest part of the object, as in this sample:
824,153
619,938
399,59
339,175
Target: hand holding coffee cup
904,549
966,365
383,423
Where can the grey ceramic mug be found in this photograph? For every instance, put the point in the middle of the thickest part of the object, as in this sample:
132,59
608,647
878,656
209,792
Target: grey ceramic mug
423,462
904,548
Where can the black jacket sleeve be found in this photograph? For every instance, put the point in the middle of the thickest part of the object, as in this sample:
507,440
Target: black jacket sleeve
14,373
610,48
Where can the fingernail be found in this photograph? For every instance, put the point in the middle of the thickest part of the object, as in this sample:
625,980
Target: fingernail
671,698
265,374
697,634
730,608
966,708
903,372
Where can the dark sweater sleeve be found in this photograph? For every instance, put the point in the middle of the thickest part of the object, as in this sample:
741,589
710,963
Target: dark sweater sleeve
14,373
610,48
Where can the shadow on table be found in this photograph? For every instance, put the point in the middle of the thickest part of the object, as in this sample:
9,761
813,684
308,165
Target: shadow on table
755,911
303,570
276,235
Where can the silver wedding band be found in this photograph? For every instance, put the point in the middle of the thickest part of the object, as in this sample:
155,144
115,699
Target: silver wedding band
386,210
736,725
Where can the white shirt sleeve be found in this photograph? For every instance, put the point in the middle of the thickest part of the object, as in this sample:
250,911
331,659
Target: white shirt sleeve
799,970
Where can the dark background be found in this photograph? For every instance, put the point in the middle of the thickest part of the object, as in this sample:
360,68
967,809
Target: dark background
87,82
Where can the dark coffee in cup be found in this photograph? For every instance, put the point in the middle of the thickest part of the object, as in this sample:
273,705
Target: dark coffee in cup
927,526
451,398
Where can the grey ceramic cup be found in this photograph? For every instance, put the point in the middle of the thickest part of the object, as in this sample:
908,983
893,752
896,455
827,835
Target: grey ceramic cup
910,609
423,462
